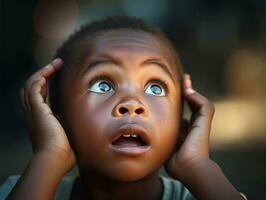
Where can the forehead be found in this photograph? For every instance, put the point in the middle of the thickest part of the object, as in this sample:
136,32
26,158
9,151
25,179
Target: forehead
131,44
128,38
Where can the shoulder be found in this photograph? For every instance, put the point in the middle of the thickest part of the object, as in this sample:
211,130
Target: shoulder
63,191
174,190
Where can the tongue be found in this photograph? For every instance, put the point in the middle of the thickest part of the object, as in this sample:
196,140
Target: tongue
128,142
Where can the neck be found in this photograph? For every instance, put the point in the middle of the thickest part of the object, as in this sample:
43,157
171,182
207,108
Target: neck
93,185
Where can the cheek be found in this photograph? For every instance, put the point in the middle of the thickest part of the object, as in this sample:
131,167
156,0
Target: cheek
89,111
167,118
86,119
166,114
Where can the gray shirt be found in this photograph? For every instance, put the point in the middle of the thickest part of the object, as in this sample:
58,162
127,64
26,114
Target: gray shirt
172,189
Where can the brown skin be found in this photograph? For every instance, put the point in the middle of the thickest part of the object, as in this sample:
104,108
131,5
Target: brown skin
99,114
130,62
90,119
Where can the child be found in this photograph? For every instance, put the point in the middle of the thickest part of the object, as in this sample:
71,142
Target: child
116,107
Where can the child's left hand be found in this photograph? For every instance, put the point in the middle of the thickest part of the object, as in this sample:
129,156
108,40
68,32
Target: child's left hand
195,145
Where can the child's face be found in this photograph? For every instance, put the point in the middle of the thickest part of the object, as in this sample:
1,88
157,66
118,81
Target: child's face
124,90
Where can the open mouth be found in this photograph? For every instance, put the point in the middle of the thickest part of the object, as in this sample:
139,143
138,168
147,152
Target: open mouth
130,139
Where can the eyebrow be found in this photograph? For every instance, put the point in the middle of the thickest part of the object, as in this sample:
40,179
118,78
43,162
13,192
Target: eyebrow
155,61
161,65
97,62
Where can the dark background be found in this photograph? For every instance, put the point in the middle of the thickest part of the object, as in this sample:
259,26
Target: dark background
222,44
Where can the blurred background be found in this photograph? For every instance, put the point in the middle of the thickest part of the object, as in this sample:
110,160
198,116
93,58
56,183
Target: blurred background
222,44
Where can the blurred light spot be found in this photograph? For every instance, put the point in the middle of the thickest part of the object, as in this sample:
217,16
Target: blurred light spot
55,19
44,50
239,121
245,72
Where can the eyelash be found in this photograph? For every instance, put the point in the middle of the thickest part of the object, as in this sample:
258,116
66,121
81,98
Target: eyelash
163,83
105,77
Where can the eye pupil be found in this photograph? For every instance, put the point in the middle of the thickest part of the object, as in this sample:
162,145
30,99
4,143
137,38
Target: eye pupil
156,89
104,87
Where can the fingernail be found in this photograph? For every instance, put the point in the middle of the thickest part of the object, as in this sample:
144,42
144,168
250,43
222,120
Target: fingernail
47,66
56,61
187,76
189,83
190,91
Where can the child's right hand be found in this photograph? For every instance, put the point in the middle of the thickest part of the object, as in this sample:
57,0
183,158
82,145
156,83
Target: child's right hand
45,131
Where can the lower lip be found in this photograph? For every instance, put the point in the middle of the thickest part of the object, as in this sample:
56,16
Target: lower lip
127,150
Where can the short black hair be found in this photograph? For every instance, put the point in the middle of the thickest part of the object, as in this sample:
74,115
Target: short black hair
71,54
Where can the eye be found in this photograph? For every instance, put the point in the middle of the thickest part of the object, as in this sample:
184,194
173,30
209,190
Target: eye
157,88
101,86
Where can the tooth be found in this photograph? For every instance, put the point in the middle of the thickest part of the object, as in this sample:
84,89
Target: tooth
134,135
127,135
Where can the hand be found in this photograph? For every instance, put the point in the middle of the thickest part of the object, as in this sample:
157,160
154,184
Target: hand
45,132
194,135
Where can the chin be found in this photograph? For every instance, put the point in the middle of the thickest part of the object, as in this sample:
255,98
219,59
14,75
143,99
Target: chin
127,176
130,173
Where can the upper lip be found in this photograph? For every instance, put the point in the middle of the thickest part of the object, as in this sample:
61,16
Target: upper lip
132,128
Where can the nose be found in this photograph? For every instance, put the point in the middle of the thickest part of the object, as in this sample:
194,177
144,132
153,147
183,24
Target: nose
131,107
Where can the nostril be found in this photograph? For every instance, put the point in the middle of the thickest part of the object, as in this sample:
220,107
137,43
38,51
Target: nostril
139,111
123,110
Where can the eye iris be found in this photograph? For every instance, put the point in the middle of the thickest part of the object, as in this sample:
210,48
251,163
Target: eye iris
104,87
156,89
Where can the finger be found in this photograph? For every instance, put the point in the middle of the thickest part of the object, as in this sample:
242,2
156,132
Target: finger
196,101
26,100
22,99
45,72
187,81
36,99
54,66
202,110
